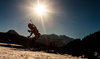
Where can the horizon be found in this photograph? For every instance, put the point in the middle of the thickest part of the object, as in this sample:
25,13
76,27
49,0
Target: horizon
75,19
54,34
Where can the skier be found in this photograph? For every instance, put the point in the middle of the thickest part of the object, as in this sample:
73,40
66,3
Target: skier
33,30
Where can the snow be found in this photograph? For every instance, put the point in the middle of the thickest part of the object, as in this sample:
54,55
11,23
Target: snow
16,53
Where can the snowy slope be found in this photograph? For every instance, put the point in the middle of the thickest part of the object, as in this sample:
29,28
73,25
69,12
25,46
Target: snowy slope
15,53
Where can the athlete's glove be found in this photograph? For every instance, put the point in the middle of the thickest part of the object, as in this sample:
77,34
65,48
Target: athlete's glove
29,31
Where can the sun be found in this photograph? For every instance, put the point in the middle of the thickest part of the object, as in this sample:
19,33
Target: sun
40,9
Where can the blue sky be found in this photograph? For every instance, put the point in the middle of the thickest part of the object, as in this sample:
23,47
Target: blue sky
74,18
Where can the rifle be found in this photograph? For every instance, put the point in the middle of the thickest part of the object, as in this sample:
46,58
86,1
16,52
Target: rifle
31,21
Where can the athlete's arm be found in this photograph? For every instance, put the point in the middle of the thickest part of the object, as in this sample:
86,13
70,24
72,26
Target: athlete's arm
30,35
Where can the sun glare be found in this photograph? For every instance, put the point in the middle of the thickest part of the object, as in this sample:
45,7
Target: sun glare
40,9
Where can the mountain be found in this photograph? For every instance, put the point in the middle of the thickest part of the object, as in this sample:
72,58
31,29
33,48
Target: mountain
54,40
47,40
13,38
89,46
13,32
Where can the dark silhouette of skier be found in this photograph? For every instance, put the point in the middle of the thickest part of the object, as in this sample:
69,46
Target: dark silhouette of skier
33,30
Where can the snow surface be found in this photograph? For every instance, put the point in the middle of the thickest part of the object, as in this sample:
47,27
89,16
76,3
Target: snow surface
16,53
